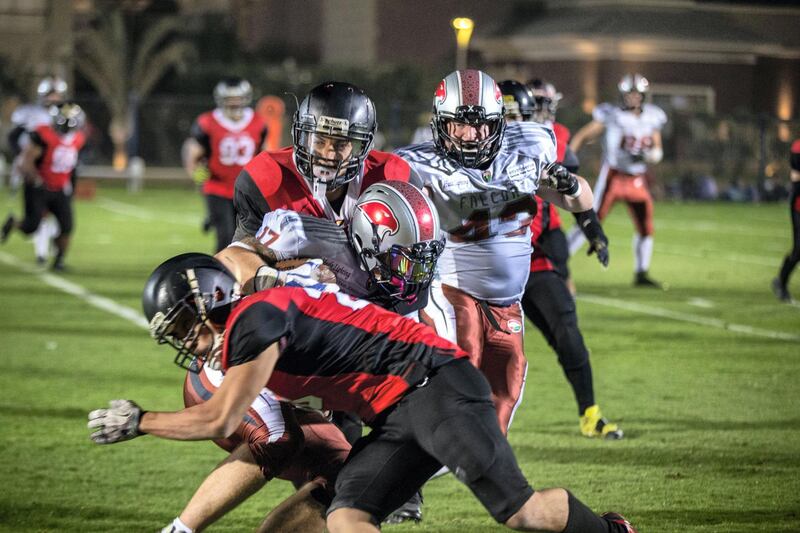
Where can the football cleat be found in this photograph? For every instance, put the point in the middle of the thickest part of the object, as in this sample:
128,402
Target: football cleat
409,511
778,288
643,280
593,424
8,225
617,518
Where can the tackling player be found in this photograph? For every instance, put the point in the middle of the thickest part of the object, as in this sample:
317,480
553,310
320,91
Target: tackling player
222,142
482,176
426,404
631,143
780,285
547,301
48,166
387,255
50,90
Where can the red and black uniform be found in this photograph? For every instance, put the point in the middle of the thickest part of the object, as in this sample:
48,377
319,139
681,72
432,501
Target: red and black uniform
56,167
228,147
793,258
271,181
548,303
426,404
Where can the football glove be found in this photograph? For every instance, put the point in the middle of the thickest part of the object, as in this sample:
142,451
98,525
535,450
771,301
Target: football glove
200,174
591,228
562,180
117,423
312,275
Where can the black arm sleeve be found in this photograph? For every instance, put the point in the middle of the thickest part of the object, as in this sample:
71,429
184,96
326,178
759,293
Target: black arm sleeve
794,161
571,161
37,139
13,139
261,139
250,206
198,134
590,225
255,330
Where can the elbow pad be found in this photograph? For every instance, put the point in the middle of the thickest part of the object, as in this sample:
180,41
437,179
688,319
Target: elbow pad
654,155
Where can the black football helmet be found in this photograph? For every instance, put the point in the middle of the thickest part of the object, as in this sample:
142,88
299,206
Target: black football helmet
183,292
517,100
342,115
66,117
545,100
51,90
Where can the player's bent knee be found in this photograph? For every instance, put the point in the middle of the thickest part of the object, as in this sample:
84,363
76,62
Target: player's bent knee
465,447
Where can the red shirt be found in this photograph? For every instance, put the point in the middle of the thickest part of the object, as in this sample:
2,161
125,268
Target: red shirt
562,140
271,181
60,156
353,355
229,146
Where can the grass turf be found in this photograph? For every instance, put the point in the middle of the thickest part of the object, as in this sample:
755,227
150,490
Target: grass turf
706,395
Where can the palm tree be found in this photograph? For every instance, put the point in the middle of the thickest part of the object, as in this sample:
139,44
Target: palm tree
123,72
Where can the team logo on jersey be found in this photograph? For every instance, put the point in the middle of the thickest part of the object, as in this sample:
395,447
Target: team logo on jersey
514,326
381,217
441,92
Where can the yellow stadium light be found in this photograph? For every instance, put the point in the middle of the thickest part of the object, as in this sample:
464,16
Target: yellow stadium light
463,27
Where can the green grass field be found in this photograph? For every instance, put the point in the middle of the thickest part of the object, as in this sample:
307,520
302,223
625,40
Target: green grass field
703,378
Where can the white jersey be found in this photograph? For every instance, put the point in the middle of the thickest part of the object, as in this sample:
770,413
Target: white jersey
292,235
486,214
628,135
29,117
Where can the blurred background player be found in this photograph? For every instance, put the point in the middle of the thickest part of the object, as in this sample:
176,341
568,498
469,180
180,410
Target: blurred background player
26,118
780,285
632,142
547,301
48,167
222,142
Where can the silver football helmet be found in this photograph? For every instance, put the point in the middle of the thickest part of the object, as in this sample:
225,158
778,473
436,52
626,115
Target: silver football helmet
51,90
395,232
232,96
472,98
633,83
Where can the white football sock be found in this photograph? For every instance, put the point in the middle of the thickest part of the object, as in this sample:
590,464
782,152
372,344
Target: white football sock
642,252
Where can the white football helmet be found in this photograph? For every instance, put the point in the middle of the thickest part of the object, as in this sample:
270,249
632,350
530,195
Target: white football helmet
632,89
51,90
469,97
395,232
232,95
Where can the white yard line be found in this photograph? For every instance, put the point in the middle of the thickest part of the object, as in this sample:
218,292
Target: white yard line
703,226
57,282
686,317
134,211
705,253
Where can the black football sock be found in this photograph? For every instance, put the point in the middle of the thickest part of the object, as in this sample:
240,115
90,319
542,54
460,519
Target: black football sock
582,520
581,381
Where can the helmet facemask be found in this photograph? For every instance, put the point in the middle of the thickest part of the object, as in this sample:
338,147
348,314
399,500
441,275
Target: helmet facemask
474,153
401,273
232,96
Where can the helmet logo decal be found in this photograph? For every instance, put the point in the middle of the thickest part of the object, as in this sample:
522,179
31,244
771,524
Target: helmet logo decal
441,92
420,207
333,125
471,87
498,94
381,217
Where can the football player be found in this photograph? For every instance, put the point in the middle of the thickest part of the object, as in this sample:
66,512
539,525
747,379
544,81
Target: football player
631,144
482,176
780,285
50,90
387,255
547,301
426,404
48,165
222,142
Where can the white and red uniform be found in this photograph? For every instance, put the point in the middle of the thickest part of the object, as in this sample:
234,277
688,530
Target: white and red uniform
229,145
481,276
623,177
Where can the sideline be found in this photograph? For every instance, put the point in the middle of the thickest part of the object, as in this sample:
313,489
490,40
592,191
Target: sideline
686,317
57,282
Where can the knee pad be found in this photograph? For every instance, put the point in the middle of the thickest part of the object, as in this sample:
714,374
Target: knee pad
466,447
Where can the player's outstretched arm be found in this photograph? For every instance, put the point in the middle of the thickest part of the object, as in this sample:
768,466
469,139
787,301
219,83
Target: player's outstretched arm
586,134
565,189
216,418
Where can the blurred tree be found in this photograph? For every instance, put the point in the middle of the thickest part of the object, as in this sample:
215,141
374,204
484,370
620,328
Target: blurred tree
124,68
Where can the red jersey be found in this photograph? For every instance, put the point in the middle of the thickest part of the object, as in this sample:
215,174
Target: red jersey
562,140
542,222
229,147
271,181
60,156
353,355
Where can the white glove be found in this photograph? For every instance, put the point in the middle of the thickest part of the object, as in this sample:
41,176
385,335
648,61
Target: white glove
312,275
117,423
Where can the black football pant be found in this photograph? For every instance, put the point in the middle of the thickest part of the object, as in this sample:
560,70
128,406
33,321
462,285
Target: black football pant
793,258
449,419
549,305
38,201
222,217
